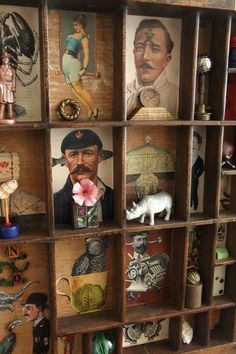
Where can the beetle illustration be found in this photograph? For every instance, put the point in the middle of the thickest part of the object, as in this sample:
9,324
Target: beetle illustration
20,41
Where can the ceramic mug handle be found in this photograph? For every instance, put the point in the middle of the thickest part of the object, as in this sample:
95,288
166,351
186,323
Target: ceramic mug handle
59,292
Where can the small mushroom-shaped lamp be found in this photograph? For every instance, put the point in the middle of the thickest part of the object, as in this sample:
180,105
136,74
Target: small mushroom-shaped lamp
146,161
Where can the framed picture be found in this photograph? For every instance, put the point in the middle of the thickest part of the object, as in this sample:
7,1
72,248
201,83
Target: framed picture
153,57
79,154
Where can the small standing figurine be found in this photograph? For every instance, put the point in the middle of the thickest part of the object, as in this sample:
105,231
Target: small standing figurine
7,89
227,156
33,310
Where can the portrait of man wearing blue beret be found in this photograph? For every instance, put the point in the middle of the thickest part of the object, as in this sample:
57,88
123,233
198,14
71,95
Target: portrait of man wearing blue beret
82,151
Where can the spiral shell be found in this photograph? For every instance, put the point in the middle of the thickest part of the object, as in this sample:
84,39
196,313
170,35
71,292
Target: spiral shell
7,188
193,277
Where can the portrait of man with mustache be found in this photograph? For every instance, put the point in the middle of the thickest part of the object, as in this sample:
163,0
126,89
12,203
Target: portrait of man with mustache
82,151
33,311
152,52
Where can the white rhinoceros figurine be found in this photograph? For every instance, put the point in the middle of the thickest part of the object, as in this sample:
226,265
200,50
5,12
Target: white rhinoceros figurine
150,205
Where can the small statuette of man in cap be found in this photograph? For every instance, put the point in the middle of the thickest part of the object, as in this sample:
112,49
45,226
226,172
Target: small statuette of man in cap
7,89
82,151
33,310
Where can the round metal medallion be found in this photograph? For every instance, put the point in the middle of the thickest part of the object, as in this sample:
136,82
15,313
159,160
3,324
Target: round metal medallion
150,97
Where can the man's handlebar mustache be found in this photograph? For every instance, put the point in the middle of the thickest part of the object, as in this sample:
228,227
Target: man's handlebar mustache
145,65
80,168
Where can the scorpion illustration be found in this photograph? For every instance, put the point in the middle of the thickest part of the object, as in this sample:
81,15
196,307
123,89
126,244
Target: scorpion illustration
18,39
7,299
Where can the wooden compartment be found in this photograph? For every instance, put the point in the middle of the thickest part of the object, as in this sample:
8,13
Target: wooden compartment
227,188
152,161
224,326
200,331
28,204
111,151
166,338
98,80
37,275
169,295
70,341
81,253
208,188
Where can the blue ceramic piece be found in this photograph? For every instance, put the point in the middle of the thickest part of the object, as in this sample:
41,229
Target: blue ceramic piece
9,231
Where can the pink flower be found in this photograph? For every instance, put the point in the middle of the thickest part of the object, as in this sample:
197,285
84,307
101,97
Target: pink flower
85,192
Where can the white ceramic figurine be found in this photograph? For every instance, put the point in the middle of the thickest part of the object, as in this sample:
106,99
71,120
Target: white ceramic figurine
150,205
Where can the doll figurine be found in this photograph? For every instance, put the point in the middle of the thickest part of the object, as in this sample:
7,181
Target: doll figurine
7,89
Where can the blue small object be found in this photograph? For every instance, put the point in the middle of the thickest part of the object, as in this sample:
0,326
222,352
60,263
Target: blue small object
9,231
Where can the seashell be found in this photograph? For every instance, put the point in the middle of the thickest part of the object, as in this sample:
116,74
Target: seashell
7,188
193,277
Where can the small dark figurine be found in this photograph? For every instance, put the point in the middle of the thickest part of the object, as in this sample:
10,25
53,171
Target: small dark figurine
197,168
8,343
33,311
93,260
228,151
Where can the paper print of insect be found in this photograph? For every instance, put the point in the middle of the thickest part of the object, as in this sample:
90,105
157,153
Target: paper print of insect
20,41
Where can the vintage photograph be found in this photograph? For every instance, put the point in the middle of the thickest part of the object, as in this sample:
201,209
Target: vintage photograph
78,54
153,61
20,55
81,154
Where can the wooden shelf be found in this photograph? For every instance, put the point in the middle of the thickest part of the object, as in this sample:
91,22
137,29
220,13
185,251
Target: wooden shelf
154,348
232,70
86,323
64,232
226,172
27,237
227,261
